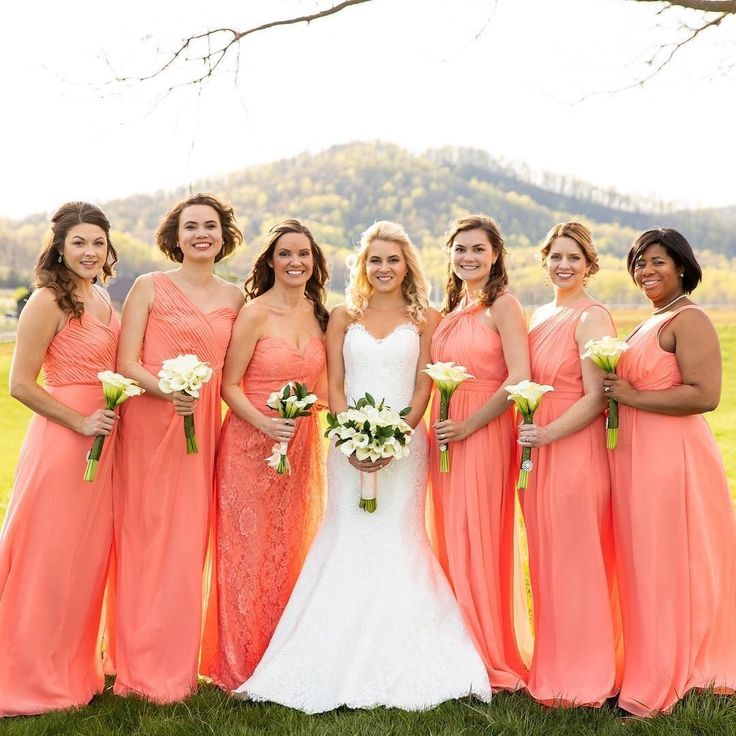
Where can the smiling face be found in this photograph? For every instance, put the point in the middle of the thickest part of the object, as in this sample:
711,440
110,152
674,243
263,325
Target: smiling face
472,257
566,264
657,275
292,259
199,233
385,265
85,250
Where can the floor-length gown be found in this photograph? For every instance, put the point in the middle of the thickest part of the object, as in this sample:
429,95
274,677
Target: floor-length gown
265,522
567,511
675,535
163,500
57,537
474,502
372,620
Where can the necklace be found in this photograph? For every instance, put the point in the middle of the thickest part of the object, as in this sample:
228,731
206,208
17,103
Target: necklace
676,299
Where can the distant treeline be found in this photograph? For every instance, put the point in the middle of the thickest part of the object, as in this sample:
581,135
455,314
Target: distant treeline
341,191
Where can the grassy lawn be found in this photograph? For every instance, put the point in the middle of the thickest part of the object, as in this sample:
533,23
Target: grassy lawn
212,712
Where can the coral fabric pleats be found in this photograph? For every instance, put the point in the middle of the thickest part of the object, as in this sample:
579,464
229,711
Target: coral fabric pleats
567,511
56,539
675,541
265,522
163,499
474,502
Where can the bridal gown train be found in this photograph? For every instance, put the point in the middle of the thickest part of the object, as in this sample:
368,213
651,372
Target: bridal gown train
372,620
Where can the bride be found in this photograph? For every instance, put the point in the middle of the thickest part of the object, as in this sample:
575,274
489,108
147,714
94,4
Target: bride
372,620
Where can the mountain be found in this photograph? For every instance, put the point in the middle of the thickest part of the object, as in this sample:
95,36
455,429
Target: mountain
342,190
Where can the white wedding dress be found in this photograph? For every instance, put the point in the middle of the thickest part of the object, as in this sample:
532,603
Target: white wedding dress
372,620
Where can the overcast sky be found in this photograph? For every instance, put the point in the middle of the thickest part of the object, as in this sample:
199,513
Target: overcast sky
503,76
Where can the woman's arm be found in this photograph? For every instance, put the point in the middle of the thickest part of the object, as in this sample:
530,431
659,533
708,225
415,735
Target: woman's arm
422,382
39,322
334,340
693,339
594,323
248,329
511,325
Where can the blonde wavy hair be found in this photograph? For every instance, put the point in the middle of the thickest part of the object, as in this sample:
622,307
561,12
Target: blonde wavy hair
414,286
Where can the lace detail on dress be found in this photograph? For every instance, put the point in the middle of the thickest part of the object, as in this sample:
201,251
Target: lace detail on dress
265,522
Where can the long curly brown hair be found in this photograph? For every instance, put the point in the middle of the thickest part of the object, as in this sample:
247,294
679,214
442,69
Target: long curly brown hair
498,278
54,274
261,277
167,232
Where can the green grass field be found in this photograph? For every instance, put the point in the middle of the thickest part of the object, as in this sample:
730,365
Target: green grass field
212,712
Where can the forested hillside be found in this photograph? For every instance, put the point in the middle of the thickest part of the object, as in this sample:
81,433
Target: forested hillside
341,191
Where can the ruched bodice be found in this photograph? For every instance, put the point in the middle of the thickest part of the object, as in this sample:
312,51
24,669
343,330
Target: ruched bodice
176,325
88,337
645,365
276,361
366,359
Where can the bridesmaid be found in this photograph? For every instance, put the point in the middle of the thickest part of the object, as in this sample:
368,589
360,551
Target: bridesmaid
672,512
567,505
484,330
163,496
56,541
265,522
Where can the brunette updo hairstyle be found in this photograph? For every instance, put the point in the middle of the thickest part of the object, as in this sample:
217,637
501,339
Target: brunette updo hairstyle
498,278
261,277
678,249
49,272
581,235
167,232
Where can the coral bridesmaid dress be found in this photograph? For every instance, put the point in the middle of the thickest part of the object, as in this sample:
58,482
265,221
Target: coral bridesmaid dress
57,537
162,502
567,510
265,522
675,541
474,502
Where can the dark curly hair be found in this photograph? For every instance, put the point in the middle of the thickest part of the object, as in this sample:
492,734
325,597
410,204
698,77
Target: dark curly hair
167,232
498,278
261,277
50,272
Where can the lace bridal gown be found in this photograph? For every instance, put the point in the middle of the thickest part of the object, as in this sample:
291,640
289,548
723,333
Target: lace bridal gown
372,620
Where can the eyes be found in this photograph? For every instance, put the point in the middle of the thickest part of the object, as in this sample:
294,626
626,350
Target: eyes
655,262
575,257
457,248
304,253
98,243
207,226
375,260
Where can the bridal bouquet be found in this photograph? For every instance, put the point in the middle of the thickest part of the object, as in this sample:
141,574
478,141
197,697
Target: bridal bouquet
290,401
527,396
116,389
370,431
605,353
185,373
447,377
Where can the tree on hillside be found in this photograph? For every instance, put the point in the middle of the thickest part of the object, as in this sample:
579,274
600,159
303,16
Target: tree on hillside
205,52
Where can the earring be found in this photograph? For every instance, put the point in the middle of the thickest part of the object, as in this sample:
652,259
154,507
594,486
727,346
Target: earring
59,259
682,274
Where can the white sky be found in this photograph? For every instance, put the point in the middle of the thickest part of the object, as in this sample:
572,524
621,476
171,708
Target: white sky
407,71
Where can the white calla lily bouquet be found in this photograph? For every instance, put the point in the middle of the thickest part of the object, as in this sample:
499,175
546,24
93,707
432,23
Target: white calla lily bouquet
527,396
370,431
447,377
185,373
605,353
290,401
116,389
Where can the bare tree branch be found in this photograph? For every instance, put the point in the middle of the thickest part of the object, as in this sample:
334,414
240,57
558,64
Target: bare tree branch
215,53
708,6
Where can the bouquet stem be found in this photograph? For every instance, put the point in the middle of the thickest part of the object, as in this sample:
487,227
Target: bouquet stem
192,448
93,458
526,461
612,425
444,451
283,466
368,495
